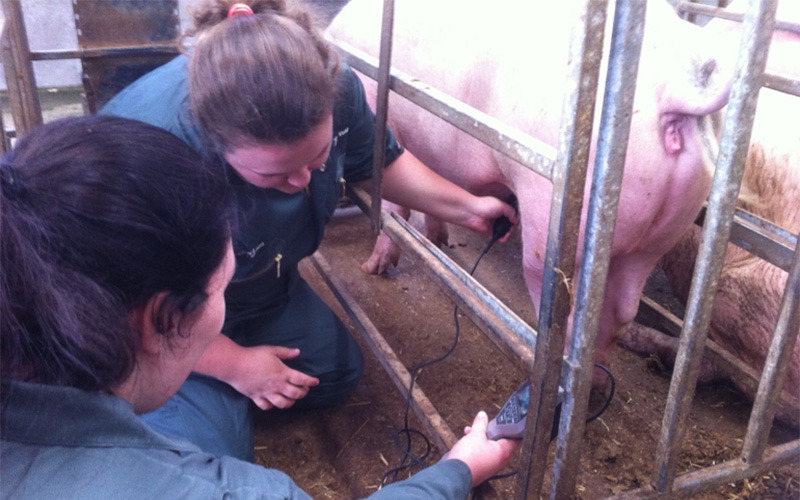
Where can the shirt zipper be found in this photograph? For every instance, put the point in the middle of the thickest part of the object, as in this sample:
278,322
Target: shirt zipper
278,263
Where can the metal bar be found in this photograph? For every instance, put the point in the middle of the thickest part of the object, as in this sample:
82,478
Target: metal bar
501,325
757,35
495,320
111,52
733,367
20,80
652,313
693,483
569,179
760,237
382,114
782,84
434,423
775,367
612,144
518,146
479,304
730,15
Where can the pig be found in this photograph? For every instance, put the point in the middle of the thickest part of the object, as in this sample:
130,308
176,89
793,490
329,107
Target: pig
509,60
746,306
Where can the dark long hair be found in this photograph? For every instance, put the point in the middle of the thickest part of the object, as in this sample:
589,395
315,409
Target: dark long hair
99,214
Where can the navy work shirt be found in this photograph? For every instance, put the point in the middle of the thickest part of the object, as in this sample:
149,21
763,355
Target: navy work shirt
275,230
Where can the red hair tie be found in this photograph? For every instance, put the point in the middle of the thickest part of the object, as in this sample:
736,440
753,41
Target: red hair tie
240,9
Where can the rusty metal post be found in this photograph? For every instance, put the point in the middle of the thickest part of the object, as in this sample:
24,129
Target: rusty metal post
21,82
382,111
612,144
756,38
569,178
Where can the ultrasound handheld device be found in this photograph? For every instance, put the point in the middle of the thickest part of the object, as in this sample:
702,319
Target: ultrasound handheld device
510,422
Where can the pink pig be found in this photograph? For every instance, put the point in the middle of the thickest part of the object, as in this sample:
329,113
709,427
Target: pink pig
509,61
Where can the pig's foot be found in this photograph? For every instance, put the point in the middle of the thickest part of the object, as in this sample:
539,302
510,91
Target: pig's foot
662,350
385,254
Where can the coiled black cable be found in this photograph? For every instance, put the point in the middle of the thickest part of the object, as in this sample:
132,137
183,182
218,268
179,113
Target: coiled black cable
500,227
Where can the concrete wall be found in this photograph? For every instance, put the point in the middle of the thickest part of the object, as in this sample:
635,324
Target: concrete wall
51,25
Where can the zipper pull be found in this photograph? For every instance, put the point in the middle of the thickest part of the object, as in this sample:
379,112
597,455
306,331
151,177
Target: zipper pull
278,263
343,183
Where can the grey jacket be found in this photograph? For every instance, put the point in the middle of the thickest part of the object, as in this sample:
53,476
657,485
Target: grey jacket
61,442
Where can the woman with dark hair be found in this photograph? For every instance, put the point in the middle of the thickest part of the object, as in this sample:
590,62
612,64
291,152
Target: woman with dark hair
115,255
265,96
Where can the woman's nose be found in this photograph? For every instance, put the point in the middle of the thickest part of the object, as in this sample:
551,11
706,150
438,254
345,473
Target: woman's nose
301,178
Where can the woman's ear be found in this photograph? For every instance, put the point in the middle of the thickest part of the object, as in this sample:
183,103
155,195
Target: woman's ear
152,340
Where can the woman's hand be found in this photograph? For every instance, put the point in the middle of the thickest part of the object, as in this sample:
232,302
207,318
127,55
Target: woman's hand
410,183
257,372
485,210
484,457
263,377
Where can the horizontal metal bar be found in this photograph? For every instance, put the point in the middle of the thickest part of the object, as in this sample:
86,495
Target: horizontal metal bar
760,237
707,10
518,146
502,326
782,84
652,313
708,478
422,406
133,51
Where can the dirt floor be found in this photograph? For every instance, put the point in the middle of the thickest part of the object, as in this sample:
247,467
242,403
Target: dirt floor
344,452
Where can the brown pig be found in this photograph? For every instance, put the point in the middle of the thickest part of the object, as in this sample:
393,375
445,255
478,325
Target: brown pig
749,295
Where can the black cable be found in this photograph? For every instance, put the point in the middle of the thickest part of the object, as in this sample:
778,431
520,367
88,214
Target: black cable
409,459
593,417
610,395
500,227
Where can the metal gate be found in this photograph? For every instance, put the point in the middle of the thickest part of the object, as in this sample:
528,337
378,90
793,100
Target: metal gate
566,167
758,236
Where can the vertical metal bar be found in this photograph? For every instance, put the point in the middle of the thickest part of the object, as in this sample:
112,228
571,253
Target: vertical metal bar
569,178
780,354
612,144
18,67
381,111
757,35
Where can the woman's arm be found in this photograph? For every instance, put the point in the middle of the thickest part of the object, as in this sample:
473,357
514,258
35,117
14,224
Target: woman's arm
257,372
471,461
408,182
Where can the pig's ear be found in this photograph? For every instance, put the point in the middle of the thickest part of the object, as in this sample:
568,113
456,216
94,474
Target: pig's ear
699,75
